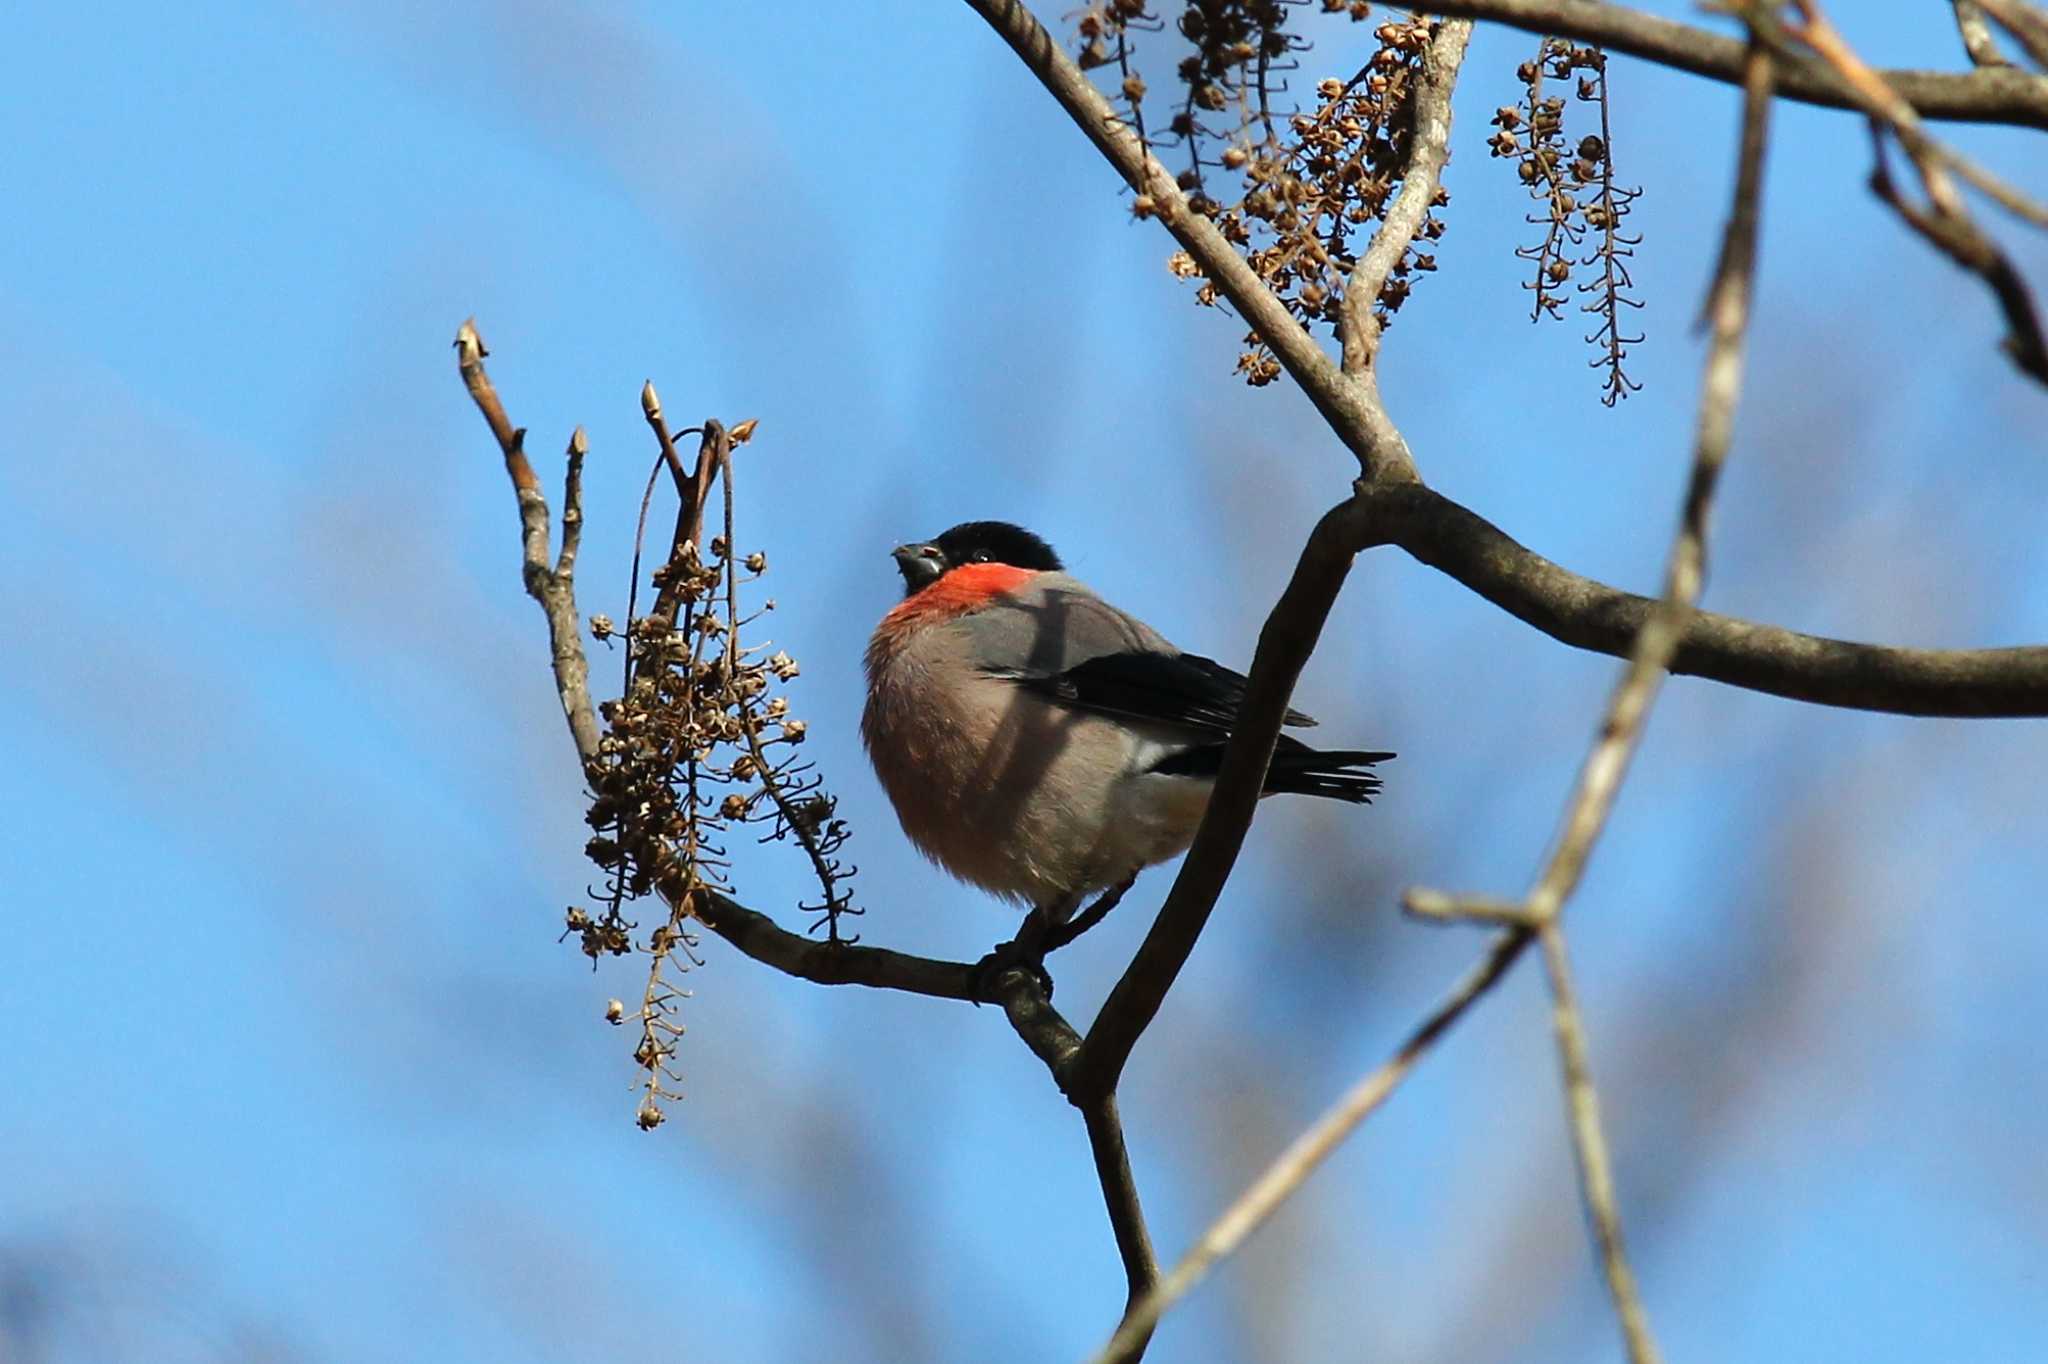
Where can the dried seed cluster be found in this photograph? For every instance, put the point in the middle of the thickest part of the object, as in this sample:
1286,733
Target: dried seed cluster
1302,185
1308,212
699,744
1573,184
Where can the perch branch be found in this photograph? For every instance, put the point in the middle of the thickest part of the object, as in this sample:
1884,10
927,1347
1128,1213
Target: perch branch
1025,1003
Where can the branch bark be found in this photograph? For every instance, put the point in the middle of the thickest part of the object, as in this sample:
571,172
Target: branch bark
554,588
1350,404
1289,637
1588,614
1989,94
1308,1151
1429,147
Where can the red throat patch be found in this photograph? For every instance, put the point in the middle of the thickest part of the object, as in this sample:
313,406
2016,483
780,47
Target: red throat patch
957,592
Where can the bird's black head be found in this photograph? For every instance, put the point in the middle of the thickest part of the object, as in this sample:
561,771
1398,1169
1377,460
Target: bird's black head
973,542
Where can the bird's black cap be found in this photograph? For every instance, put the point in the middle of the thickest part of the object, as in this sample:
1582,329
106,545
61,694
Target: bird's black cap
973,542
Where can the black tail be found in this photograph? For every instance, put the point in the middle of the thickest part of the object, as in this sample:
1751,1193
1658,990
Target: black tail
1296,769
1300,770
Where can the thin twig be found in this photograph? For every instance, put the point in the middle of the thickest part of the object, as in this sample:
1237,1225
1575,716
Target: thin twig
572,506
1429,146
556,592
1946,223
1963,242
2027,23
1871,92
1352,409
1727,313
1589,1147
1094,914
1309,1150
1621,728
1975,32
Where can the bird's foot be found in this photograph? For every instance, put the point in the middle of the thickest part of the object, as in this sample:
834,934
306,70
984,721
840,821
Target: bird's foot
1017,954
1027,950
1069,928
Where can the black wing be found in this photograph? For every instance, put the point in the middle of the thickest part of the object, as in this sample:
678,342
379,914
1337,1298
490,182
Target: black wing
1176,689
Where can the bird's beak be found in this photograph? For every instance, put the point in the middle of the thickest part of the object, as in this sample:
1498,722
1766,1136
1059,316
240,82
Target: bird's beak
920,565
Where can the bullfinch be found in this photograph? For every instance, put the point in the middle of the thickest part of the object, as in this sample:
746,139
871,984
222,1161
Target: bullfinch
1038,742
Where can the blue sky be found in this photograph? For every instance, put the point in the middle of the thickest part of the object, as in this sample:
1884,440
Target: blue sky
299,1070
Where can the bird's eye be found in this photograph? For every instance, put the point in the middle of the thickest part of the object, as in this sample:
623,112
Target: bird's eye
980,556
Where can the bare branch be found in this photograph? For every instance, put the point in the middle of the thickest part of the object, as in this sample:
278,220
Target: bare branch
1289,637
1871,91
1059,935
1727,313
1989,94
1588,614
2027,23
1589,1147
555,591
1120,1197
1962,241
1025,1003
1574,610
1946,223
1309,1150
1622,726
1975,32
1429,146
572,506
1350,404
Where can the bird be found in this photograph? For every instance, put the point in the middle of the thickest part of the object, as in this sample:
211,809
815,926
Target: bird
1042,744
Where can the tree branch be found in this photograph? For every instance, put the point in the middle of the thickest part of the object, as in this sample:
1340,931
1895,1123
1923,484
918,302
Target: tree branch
1946,223
1308,1151
1025,1002
1349,401
1351,407
1572,609
1429,146
1621,728
553,588
1588,614
1975,32
1120,1196
1986,95
2027,23
826,963
1289,637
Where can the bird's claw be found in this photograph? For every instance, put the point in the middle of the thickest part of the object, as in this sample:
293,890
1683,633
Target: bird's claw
1003,958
